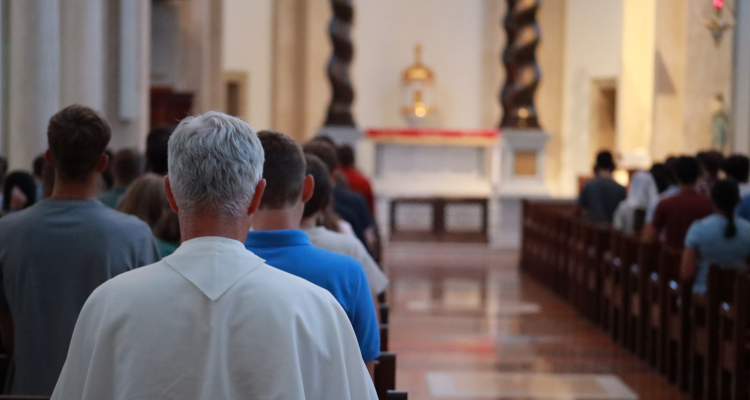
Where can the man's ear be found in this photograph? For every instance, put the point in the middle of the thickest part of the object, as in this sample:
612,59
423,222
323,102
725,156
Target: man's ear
308,187
102,164
170,196
255,203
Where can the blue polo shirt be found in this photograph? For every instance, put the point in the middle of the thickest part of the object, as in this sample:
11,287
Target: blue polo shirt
344,277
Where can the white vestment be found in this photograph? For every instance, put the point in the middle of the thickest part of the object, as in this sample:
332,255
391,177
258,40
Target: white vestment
350,246
213,321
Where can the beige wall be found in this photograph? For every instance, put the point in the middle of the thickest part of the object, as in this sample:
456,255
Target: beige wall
549,96
669,78
708,71
593,34
451,32
247,49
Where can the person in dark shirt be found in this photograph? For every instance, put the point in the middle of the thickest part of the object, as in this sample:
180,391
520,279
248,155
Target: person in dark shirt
674,215
350,205
356,180
156,149
601,196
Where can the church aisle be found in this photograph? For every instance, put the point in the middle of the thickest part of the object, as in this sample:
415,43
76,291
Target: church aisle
467,325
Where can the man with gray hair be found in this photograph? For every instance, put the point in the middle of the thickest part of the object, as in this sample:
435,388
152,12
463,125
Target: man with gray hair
213,321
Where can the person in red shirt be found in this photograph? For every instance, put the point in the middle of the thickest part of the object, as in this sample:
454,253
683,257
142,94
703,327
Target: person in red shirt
675,214
357,182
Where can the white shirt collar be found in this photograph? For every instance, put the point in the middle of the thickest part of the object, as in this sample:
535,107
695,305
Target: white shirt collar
213,264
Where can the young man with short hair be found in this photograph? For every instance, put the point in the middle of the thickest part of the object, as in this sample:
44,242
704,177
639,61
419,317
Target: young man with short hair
674,215
277,238
55,253
601,196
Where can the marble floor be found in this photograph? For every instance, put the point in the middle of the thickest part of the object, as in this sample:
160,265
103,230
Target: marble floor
467,325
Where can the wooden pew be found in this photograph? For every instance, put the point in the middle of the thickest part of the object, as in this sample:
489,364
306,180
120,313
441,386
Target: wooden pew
564,227
385,374
639,308
677,319
577,244
705,324
656,292
732,376
384,337
625,256
608,281
397,395
597,245
385,311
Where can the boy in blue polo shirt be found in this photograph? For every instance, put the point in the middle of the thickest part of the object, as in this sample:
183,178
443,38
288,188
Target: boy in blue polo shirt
277,239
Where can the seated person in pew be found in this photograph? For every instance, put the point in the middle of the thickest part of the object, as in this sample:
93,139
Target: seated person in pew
213,321
55,253
355,179
721,238
675,214
642,190
277,238
601,196
350,205
645,189
336,242
737,169
668,175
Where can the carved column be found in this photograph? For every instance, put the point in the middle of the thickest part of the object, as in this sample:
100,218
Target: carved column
340,108
522,70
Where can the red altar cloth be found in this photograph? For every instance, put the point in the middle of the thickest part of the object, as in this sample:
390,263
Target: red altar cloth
434,136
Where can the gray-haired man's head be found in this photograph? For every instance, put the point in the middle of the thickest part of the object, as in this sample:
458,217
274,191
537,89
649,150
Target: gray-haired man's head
215,164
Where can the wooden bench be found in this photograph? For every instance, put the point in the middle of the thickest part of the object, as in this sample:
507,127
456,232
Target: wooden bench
597,245
732,376
397,395
677,319
639,308
705,331
385,374
623,258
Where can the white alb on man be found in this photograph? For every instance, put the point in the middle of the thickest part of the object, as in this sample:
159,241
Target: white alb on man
213,321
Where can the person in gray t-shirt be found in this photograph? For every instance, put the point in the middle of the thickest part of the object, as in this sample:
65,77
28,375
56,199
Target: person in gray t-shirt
601,196
55,253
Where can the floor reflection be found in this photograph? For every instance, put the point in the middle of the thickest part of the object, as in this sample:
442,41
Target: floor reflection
466,325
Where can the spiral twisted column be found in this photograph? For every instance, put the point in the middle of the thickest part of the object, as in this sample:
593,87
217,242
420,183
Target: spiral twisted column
339,30
522,70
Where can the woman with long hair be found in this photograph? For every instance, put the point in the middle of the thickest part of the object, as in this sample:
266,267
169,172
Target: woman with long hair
147,200
721,238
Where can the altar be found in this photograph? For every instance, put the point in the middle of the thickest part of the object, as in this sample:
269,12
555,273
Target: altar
448,184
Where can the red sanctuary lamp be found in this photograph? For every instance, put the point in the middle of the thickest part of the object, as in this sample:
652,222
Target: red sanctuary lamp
719,4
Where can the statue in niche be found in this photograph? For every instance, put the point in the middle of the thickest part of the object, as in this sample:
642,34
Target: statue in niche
418,83
719,124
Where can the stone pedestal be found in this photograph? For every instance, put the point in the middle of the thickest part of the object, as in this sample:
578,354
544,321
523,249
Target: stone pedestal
342,134
521,177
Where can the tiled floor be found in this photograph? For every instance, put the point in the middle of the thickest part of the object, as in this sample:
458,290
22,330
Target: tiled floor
466,325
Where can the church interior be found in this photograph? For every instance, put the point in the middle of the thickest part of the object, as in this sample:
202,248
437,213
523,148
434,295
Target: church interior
518,163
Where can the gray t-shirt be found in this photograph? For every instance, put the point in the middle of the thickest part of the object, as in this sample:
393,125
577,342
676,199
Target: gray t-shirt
600,198
52,256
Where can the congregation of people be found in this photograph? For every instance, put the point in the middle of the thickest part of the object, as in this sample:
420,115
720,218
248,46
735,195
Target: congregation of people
697,204
220,263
